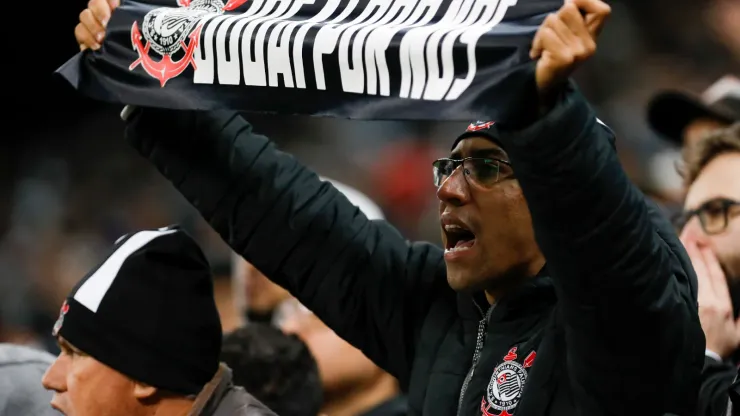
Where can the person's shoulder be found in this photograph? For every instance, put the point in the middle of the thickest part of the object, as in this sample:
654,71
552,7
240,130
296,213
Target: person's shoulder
21,355
21,392
238,402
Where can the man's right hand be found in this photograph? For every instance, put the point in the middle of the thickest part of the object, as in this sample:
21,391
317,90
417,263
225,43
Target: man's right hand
90,32
721,330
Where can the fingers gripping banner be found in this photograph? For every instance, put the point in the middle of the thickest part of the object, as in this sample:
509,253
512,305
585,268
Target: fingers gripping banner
365,59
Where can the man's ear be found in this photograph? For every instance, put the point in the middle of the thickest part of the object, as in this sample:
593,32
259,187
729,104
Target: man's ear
143,391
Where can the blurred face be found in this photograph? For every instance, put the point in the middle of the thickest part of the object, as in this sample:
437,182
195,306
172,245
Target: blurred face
485,222
342,366
719,181
85,387
260,293
697,129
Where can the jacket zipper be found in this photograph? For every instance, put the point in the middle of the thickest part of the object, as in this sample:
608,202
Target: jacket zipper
480,339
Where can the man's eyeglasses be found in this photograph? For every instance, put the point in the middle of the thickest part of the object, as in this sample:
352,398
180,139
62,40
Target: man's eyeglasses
714,215
481,171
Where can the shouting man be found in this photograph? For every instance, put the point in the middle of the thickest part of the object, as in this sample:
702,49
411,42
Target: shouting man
559,290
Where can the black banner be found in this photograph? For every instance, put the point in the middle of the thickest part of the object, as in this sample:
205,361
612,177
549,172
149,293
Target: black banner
363,59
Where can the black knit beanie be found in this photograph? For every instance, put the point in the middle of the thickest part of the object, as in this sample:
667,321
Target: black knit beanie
486,129
148,312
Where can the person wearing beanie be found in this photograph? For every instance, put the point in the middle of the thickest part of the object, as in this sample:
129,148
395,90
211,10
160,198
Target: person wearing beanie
140,335
559,290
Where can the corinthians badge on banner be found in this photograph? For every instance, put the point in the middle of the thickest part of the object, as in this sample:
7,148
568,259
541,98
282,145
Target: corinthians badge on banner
165,30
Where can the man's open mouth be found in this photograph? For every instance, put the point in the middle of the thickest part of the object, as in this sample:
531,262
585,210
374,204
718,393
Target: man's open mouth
458,238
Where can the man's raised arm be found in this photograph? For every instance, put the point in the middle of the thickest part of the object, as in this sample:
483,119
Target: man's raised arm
626,288
361,277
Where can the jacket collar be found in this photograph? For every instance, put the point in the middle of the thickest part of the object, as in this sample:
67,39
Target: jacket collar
534,292
209,398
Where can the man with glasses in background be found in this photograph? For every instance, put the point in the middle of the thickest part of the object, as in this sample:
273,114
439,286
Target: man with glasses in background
710,231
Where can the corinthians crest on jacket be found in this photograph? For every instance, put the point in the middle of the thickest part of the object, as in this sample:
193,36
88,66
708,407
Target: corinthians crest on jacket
169,30
505,389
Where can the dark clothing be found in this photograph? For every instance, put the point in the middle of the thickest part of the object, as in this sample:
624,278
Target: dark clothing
734,406
167,276
610,327
716,380
397,406
221,398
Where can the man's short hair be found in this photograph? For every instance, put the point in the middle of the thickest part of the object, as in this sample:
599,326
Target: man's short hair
276,368
716,143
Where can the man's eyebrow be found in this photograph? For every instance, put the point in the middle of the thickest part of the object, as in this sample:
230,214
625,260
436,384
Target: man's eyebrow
494,152
65,345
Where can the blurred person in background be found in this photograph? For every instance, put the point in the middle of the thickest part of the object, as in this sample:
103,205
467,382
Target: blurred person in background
684,119
21,392
140,336
710,232
276,368
353,385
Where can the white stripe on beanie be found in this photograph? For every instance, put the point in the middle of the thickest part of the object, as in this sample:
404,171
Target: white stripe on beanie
91,293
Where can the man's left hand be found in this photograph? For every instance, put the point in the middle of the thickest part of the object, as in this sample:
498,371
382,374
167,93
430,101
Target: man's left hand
566,39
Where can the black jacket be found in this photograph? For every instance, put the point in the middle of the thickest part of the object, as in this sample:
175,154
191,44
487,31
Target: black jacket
220,397
714,396
609,328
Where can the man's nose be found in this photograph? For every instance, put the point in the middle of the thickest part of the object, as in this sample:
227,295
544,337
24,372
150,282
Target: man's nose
693,232
454,190
55,377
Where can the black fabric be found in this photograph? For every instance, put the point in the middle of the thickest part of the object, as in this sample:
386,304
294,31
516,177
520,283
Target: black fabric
735,395
396,406
487,129
717,377
158,321
670,112
609,328
371,62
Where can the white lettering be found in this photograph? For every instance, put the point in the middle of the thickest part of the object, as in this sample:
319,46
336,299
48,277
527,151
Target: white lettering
411,54
256,46
353,76
379,40
326,41
278,57
470,37
325,13
438,85
204,68
254,69
229,70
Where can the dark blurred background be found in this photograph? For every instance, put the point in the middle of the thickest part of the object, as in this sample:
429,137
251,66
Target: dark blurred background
69,186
